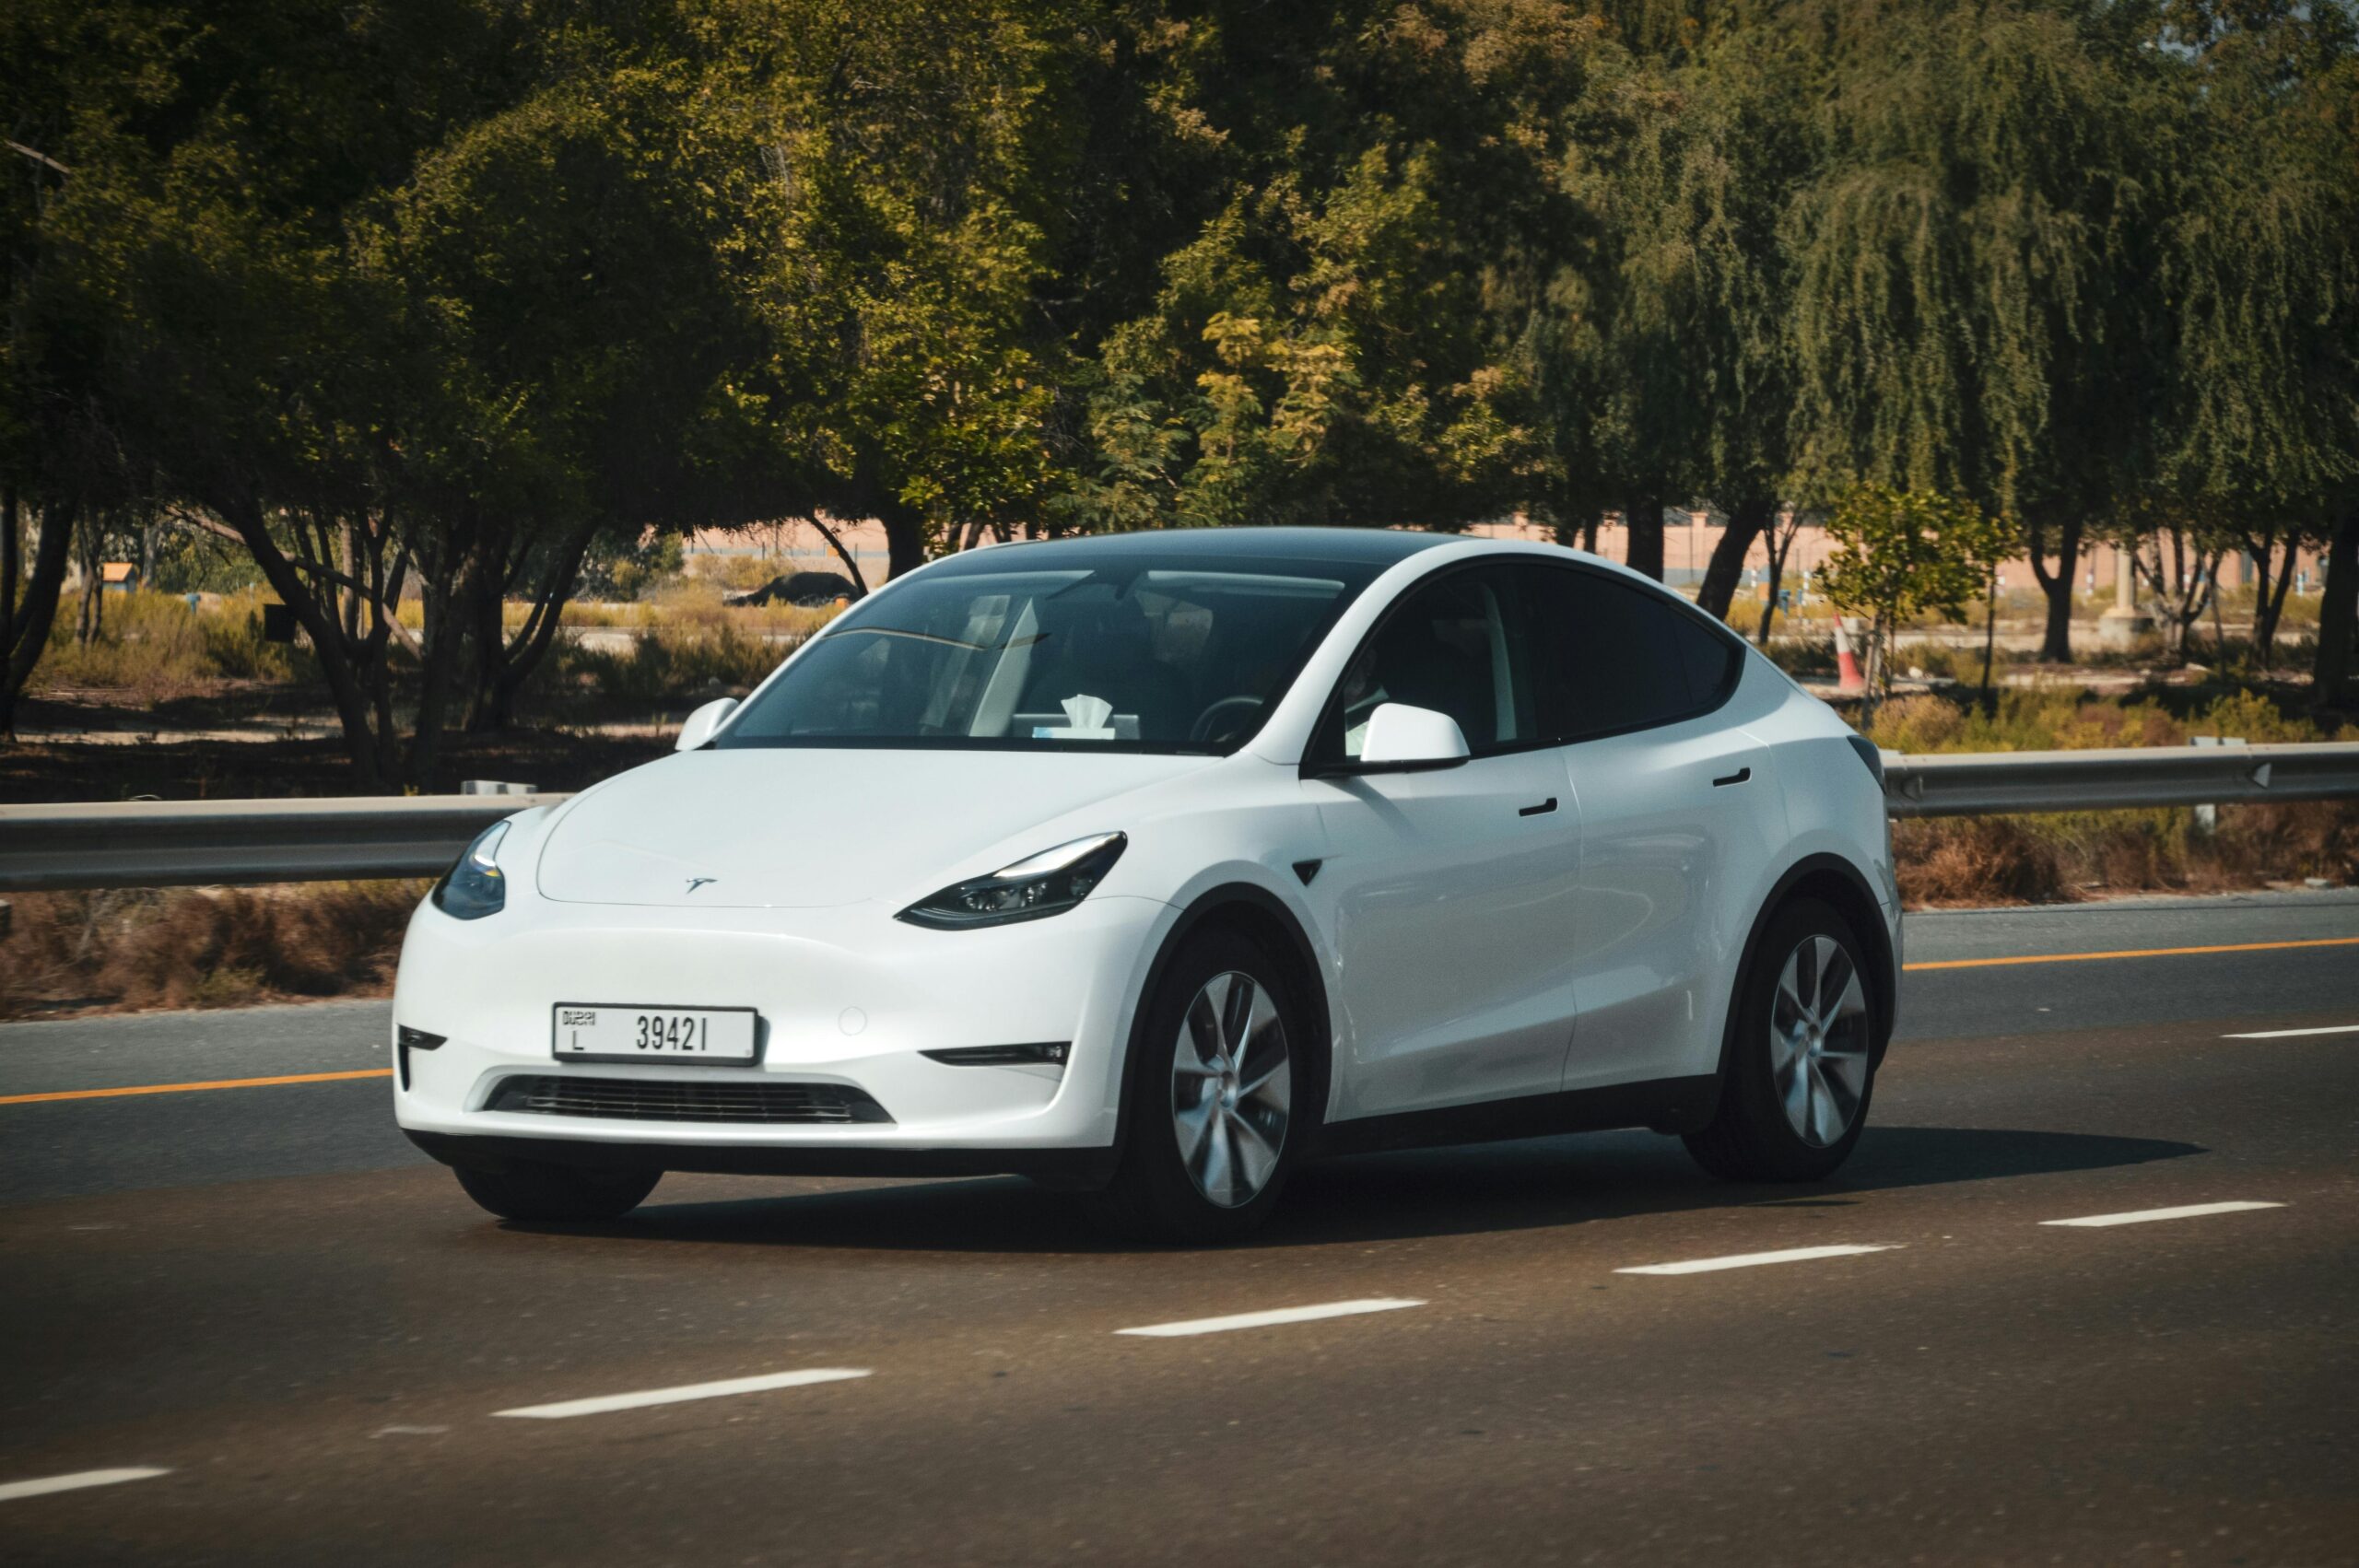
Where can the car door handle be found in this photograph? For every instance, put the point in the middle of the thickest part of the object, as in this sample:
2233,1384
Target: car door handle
1543,809
1739,776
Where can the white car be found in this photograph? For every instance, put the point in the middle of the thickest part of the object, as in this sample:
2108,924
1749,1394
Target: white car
1158,863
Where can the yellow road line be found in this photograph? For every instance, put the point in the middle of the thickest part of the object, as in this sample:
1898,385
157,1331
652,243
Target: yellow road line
2135,953
191,1088
1941,964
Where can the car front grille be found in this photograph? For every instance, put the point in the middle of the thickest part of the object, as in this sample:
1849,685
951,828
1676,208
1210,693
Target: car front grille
656,1099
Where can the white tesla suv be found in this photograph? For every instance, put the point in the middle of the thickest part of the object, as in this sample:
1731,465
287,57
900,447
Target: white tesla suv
1158,863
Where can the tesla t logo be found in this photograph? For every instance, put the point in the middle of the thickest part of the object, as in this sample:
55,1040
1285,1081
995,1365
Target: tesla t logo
696,882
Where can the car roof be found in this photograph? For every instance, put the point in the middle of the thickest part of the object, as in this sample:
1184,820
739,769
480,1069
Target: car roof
1377,547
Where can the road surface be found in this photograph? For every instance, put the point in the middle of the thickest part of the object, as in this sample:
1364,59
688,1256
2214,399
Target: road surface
276,1334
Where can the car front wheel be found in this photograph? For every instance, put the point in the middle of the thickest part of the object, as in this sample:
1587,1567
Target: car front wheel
1801,1066
1219,1101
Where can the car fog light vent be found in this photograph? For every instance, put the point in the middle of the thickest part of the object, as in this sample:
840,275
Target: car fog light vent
405,1040
1051,1054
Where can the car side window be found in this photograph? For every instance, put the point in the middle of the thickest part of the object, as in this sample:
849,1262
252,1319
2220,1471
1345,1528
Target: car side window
1458,644
1613,657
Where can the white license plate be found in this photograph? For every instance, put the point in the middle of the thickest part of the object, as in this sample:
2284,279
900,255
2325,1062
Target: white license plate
603,1032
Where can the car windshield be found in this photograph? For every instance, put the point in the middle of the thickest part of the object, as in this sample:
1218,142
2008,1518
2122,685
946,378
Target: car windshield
1175,657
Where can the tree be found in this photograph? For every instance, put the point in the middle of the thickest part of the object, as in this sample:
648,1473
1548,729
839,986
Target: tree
58,458
2183,571
1674,372
2260,275
1340,332
894,252
1905,552
1973,309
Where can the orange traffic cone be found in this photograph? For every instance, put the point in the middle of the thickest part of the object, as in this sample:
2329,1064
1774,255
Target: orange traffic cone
1847,663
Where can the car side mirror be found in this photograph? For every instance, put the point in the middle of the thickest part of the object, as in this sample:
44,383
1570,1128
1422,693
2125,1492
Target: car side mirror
701,724
1399,738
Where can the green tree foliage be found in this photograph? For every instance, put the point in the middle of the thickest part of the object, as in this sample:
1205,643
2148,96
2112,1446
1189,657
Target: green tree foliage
1357,206
909,156
1974,306
2259,423
1905,552
443,300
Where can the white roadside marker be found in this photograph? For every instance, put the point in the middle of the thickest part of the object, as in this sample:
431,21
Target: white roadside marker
679,1396
1752,1259
2140,1216
2295,1034
77,1481
1270,1319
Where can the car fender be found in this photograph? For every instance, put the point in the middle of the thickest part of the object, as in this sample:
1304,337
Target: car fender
1219,887
1805,861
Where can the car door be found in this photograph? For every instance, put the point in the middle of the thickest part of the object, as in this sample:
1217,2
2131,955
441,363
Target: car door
1677,805
1447,893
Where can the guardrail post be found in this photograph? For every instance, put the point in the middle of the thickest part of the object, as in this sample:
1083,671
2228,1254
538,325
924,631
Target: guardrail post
2207,815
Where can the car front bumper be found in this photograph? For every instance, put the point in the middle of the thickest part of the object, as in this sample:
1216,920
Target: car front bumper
848,997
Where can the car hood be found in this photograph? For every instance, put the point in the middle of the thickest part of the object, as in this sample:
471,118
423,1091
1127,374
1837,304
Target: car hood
812,827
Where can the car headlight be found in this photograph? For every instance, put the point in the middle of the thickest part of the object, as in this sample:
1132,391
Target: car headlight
1047,883
473,887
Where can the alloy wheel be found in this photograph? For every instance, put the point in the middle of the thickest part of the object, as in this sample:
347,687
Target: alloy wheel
1818,1041
1232,1086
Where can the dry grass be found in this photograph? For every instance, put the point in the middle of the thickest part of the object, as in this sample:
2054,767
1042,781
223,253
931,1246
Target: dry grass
2069,855
157,646
201,947
1979,861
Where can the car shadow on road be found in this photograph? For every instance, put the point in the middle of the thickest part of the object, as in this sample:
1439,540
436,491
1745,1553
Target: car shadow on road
1531,1184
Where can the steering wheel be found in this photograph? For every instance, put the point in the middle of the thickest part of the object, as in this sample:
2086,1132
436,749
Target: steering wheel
1202,730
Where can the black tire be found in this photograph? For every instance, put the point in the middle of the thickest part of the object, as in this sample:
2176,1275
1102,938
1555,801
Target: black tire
1752,1135
1153,1193
527,1190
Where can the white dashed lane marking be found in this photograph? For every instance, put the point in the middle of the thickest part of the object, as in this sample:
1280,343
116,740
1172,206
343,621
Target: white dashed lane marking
1270,1319
2140,1216
1752,1260
13,1490
679,1396
2295,1034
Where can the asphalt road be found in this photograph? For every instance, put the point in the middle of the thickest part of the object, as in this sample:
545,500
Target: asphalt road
263,1294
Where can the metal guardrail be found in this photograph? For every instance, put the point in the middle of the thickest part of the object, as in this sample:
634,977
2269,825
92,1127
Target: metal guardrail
170,842
1994,783
176,843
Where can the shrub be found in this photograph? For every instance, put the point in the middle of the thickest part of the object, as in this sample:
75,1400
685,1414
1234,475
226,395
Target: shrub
234,646
158,644
202,947
1976,860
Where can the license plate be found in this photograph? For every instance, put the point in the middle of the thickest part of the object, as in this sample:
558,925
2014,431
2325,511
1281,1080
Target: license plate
603,1032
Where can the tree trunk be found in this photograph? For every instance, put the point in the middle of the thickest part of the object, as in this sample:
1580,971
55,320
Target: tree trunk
2339,617
362,693
904,538
1989,637
1781,544
2056,641
503,666
440,646
24,625
1726,568
1643,519
93,615
844,553
12,546
2269,595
